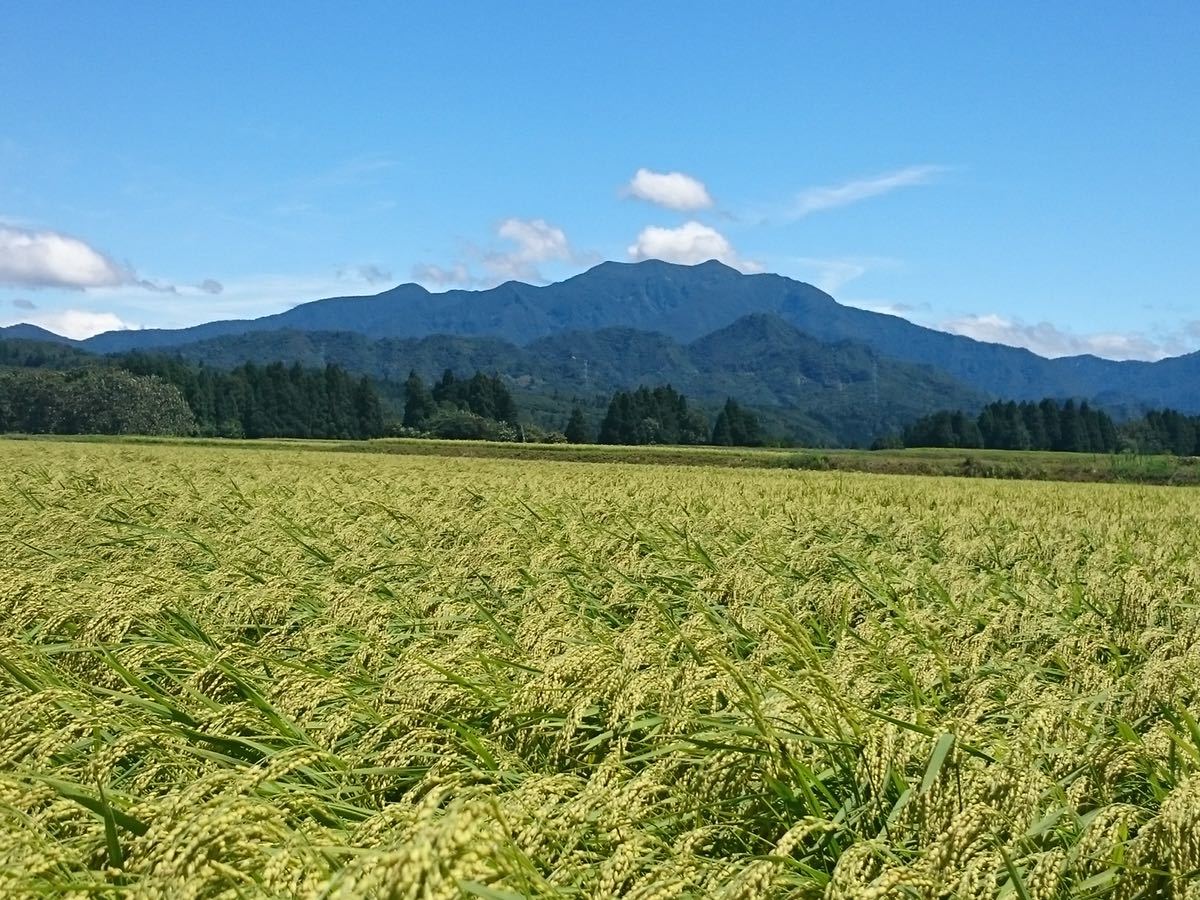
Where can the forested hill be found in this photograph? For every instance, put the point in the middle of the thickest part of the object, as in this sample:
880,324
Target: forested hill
686,302
838,394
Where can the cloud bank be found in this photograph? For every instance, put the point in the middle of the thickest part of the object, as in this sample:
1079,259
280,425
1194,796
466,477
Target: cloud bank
72,323
673,190
1046,339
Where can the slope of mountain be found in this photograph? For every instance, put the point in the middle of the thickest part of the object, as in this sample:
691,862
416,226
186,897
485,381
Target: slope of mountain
26,332
687,302
842,393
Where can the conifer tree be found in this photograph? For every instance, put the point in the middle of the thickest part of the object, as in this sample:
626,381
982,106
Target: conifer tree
577,431
418,402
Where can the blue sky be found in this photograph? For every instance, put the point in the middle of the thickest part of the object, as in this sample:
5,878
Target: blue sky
1028,173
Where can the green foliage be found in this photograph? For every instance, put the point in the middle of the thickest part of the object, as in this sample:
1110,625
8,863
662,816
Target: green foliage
659,415
1052,425
419,405
477,408
270,401
91,401
1048,425
27,354
1164,431
736,427
485,396
464,425
577,431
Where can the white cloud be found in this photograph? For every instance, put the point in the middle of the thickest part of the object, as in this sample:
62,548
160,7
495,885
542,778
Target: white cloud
533,241
1047,339
74,323
435,276
30,258
818,199
831,274
689,244
41,258
674,190
211,286
536,241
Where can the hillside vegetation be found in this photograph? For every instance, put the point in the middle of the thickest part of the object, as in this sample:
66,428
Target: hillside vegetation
685,303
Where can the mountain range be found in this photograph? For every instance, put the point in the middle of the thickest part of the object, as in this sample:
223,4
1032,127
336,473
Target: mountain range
708,329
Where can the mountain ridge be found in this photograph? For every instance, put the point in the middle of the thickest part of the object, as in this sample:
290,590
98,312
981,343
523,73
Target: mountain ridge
687,302
814,392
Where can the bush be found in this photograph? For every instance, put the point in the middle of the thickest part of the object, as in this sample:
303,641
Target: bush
460,425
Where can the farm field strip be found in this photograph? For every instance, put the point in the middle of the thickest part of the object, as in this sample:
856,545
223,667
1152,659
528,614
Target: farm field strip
288,673
1021,465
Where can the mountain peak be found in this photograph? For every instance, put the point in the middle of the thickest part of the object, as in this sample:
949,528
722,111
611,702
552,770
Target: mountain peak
27,332
715,265
655,266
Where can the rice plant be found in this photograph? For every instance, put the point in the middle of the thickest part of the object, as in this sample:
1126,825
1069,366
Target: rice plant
240,673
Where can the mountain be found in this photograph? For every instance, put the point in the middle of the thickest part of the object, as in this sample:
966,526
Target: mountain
25,332
843,393
684,303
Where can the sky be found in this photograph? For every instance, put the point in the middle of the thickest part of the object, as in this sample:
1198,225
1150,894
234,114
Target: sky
1027,173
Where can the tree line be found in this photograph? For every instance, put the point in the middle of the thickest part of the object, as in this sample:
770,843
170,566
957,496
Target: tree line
662,415
1007,425
274,400
1052,425
1164,431
147,394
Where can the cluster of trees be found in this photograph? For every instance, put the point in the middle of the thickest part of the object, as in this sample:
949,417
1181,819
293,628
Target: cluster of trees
269,401
24,354
480,407
658,415
93,400
1054,425
661,415
1048,425
737,427
1164,431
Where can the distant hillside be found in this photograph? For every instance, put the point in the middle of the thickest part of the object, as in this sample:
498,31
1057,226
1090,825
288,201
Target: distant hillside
26,332
685,303
23,353
841,393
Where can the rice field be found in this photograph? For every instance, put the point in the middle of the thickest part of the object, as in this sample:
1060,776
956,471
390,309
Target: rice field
273,673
